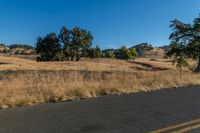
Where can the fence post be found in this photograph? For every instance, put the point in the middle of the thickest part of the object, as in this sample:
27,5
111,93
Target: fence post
154,75
180,74
192,76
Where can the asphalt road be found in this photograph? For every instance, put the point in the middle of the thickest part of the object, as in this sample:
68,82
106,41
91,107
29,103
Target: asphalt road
132,113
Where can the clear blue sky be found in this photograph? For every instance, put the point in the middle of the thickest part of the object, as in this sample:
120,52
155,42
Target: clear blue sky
112,22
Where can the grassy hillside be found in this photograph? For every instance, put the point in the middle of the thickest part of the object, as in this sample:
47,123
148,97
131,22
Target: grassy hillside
26,82
17,49
3,48
15,63
155,53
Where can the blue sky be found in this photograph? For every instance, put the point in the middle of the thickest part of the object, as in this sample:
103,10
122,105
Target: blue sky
112,22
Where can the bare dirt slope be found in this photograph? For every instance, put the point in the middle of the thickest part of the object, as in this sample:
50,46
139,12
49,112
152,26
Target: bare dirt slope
155,53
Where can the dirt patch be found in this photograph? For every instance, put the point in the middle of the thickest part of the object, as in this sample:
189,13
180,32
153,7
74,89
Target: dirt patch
149,67
4,63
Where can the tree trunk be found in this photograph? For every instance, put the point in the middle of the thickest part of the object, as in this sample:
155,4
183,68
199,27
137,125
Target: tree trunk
198,66
78,58
72,58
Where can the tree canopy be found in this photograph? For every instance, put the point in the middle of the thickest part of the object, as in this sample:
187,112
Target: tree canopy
185,40
72,44
48,47
126,53
77,42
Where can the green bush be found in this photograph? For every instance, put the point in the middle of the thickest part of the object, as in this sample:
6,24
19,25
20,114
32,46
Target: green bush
126,53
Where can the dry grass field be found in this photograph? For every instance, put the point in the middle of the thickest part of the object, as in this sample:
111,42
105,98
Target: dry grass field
26,82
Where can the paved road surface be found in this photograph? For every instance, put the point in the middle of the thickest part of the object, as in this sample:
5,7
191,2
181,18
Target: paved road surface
166,110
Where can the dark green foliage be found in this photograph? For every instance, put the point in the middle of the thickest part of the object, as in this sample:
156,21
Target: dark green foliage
68,45
107,52
122,53
177,51
181,62
77,42
133,53
110,55
94,53
98,52
65,40
126,53
81,42
48,48
187,39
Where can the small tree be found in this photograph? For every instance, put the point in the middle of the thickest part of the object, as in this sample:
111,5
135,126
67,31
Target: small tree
94,52
181,62
133,53
98,52
110,55
127,54
124,53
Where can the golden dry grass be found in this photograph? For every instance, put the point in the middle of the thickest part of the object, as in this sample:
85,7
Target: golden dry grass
155,53
14,63
26,82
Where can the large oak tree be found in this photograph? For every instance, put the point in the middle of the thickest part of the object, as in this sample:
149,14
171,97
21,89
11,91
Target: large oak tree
186,38
48,47
76,42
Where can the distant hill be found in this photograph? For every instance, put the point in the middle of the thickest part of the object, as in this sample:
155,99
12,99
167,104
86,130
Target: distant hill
3,48
165,47
24,46
154,53
21,49
142,48
147,50
17,49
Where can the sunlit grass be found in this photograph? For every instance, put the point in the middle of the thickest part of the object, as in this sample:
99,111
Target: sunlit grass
33,83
